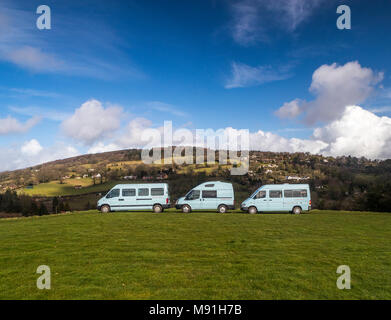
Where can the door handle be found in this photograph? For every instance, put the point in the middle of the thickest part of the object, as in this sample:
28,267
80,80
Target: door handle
121,199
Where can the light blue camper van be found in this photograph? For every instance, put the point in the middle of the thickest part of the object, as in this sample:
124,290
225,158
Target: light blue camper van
144,196
293,198
211,195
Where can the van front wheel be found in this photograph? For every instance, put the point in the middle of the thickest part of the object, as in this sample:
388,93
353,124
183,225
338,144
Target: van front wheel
157,208
296,210
222,208
105,209
186,208
252,210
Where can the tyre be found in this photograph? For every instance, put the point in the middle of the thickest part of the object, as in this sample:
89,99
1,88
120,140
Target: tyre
186,208
222,208
105,208
296,210
157,208
252,210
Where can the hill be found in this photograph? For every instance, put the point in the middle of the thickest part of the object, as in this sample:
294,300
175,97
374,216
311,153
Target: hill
141,255
346,183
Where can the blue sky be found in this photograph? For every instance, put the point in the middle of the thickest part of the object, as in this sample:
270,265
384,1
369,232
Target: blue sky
201,64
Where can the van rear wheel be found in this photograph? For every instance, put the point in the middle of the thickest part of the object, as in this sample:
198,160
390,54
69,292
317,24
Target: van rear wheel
157,208
222,208
296,210
252,210
105,209
186,208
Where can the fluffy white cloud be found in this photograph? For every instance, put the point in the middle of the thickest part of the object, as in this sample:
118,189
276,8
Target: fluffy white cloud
92,122
244,75
31,148
289,109
358,133
335,87
31,153
11,125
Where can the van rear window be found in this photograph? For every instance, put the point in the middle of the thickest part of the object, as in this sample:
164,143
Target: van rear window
157,191
128,192
209,193
143,192
295,193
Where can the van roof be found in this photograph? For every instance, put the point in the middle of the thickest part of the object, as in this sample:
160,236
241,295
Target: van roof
140,184
286,186
217,184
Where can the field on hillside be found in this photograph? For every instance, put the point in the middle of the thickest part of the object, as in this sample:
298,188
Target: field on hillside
141,255
55,188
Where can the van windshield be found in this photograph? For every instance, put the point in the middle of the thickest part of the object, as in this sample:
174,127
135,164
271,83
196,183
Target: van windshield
193,194
255,192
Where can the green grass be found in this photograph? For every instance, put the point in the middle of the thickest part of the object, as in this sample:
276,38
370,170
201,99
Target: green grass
55,188
141,255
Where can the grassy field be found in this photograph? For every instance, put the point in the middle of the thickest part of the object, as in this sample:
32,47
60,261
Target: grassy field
55,188
141,255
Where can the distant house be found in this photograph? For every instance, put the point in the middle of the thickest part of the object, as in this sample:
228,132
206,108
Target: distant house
78,186
130,177
98,175
296,178
85,176
162,176
147,178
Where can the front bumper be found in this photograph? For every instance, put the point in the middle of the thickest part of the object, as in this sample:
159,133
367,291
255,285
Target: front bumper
178,206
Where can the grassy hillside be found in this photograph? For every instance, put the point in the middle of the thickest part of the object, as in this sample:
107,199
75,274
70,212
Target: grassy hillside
55,188
140,255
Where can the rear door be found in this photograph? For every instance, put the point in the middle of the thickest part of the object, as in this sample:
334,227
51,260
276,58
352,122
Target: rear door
276,201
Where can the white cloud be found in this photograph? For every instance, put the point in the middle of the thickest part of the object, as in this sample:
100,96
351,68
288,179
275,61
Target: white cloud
31,148
335,87
289,109
244,75
31,153
92,122
253,19
11,125
34,59
358,133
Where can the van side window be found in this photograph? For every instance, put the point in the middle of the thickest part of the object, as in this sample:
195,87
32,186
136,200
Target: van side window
288,193
261,194
300,193
275,194
209,193
157,191
128,192
143,192
194,194
211,185
113,193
